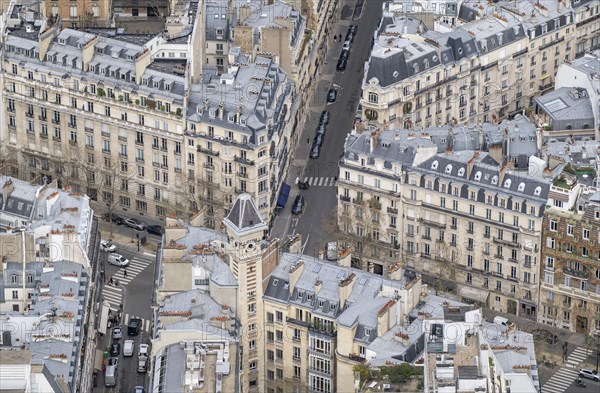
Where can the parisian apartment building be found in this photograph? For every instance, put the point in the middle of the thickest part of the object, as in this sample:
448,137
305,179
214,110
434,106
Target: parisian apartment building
137,134
462,205
570,278
471,62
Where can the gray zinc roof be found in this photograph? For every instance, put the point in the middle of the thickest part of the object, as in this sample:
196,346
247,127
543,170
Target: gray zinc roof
244,215
567,104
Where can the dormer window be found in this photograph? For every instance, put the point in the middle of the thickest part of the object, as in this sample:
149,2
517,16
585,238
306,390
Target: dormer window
99,50
332,306
275,282
461,172
156,84
521,187
426,63
231,117
367,332
219,31
309,297
499,39
416,68
211,113
478,176
507,183
62,41
168,87
448,169
537,191
300,294
321,303
434,165
495,180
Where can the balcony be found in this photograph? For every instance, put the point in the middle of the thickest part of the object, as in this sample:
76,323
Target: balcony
345,198
583,274
42,118
55,121
509,243
243,160
243,174
358,201
499,256
392,210
432,223
209,165
520,53
207,151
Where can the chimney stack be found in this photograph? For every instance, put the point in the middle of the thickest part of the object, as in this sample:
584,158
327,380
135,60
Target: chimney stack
374,135
7,189
295,273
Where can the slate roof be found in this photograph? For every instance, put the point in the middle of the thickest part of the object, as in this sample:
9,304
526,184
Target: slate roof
361,305
244,215
21,200
485,177
567,104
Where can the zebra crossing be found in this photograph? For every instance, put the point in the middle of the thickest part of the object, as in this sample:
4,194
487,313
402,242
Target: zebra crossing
145,322
565,376
114,294
321,181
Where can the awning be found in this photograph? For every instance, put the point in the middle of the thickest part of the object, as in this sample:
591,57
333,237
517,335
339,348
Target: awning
104,318
546,76
479,295
283,195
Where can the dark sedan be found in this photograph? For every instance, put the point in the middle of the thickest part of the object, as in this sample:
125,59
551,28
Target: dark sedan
341,66
319,139
115,349
315,151
115,218
298,205
321,129
155,230
332,95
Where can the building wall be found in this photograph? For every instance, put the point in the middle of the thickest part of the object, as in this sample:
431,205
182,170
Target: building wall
80,13
570,289
440,236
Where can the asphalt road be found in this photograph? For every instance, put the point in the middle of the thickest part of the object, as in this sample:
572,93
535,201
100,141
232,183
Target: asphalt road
590,386
321,200
135,293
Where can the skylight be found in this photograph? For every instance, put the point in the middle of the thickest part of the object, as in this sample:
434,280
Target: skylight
555,105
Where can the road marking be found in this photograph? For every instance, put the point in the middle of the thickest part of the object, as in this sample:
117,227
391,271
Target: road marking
147,326
321,181
149,254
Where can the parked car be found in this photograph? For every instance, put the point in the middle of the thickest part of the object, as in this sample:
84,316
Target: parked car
318,139
353,29
134,326
350,36
115,349
324,118
155,230
321,129
143,358
298,206
589,373
113,362
128,347
347,45
139,389
332,95
143,352
107,246
345,54
118,260
341,65
117,333
115,218
135,224
315,151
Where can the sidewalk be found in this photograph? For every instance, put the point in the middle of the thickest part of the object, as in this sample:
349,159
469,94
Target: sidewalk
121,238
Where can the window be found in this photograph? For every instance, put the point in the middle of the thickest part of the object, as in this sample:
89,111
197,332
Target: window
586,234
373,98
553,225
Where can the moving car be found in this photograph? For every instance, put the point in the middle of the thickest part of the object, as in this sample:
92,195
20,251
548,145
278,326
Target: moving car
315,151
118,260
298,206
341,65
155,230
143,358
134,326
135,224
128,347
332,95
589,373
143,351
107,246
324,118
115,349
117,333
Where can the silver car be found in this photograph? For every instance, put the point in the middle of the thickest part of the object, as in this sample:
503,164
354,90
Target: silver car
589,373
118,260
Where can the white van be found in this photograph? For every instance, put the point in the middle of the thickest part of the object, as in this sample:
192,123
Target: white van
110,377
501,321
128,348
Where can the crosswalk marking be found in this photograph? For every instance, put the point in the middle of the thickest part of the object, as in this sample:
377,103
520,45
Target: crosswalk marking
114,294
561,380
145,322
320,181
